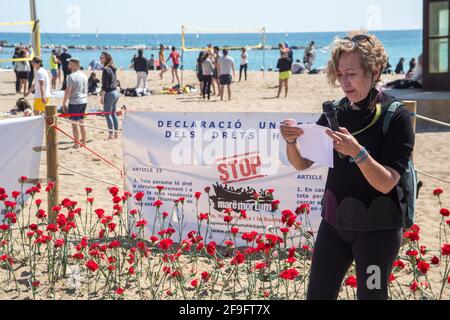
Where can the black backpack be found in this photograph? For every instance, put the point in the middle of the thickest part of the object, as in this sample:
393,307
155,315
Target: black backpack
408,181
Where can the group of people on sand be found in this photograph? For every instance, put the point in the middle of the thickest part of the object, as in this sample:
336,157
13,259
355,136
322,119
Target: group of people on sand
76,86
216,69
413,78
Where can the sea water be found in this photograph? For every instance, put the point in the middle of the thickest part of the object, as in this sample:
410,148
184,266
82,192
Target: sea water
405,43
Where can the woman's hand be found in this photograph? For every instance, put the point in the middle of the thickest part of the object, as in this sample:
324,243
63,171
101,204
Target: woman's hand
344,142
289,132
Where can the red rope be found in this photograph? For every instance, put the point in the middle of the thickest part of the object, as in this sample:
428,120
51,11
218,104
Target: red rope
66,115
90,150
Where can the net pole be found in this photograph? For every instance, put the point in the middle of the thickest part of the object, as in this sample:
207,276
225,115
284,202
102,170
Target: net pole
182,55
264,52
36,29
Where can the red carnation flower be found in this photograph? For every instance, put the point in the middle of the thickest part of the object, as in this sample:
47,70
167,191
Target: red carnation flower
238,259
446,249
289,274
92,265
139,196
197,195
351,282
445,212
423,266
160,188
435,260
275,204
165,244
438,191
234,230
303,209
211,248
88,190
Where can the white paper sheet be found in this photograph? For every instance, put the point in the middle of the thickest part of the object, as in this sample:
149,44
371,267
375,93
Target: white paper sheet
316,145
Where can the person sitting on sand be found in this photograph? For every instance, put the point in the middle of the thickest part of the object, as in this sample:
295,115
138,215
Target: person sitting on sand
298,67
399,69
415,82
284,66
226,66
93,84
41,87
412,66
75,100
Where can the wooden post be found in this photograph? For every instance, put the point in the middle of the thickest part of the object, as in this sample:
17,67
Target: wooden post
52,158
412,107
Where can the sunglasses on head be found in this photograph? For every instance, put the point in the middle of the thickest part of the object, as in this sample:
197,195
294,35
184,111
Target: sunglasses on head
360,38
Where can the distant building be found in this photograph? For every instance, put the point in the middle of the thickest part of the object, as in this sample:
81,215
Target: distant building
436,26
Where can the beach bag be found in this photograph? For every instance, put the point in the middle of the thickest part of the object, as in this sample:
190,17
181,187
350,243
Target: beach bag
408,183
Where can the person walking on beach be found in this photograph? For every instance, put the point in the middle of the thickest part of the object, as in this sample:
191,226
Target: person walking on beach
310,56
15,56
75,100
162,62
54,68
215,80
175,56
22,68
41,87
244,64
140,64
363,205
64,58
284,66
226,66
109,94
199,70
207,75
151,63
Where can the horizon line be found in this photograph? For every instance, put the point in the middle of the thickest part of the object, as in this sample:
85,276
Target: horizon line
171,33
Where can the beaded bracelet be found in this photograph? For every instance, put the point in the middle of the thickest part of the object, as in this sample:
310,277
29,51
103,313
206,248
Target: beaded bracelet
362,153
363,159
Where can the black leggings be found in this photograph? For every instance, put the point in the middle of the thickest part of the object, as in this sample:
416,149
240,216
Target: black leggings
243,67
207,80
334,253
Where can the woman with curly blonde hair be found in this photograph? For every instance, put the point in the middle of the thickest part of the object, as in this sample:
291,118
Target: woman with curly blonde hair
363,204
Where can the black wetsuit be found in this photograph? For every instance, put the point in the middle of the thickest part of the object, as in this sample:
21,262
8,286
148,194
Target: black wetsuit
360,223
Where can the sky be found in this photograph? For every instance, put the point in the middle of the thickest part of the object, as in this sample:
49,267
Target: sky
151,16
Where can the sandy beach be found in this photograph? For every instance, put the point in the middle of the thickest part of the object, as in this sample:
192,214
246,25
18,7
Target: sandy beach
307,92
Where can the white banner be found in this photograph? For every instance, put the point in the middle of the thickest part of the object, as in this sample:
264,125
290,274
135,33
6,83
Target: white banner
20,155
234,154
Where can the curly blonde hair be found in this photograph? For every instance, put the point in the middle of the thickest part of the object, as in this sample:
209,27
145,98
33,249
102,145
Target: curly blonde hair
372,53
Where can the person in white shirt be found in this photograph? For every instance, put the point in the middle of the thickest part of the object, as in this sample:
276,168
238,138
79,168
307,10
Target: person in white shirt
76,99
226,66
41,86
244,64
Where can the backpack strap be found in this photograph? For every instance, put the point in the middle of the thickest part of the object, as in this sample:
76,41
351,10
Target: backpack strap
337,103
390,114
